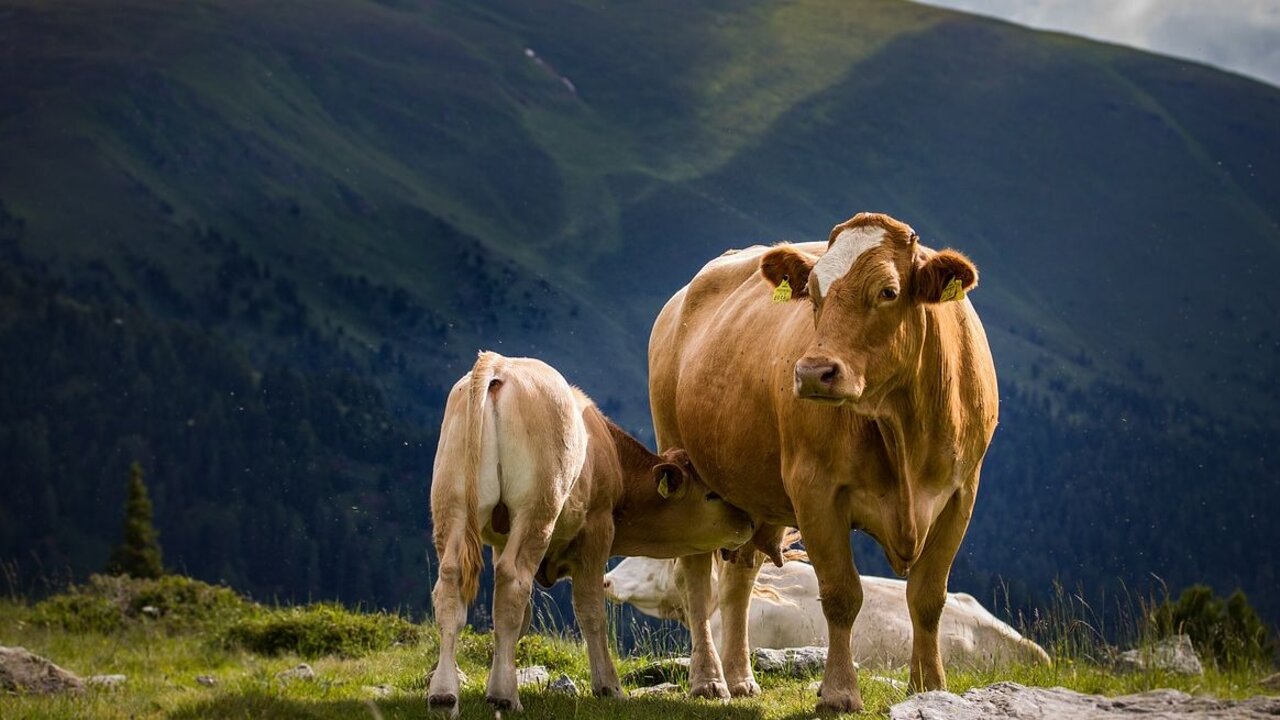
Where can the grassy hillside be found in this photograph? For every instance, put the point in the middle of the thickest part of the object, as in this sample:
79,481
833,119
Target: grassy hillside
161,657
372,191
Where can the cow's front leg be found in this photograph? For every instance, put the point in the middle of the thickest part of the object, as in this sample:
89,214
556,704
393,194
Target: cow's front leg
588,604
927,591
826,538
693,580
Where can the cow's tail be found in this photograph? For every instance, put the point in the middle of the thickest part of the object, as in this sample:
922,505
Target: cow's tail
477,396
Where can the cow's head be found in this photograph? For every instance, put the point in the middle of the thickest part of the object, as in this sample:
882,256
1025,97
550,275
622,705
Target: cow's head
647,583
683,516
869,293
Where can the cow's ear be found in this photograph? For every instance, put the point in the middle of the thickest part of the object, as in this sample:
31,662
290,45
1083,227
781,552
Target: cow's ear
784,264
671,480
946,275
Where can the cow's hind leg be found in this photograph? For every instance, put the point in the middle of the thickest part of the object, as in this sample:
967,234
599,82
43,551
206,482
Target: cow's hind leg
840,589
693,580
513,581
451,616
588,603
927,591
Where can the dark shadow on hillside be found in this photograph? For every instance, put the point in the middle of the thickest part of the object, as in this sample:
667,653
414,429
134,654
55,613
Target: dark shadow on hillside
537,706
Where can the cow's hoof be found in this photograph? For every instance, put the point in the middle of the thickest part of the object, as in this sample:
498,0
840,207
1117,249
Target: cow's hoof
444,701
746,688
609,691
839,702
506,704
714,689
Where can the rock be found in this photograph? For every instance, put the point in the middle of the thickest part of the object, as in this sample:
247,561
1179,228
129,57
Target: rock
107,682
798,662
25,672
563,684
462,677
894,683
1271,682
665,688
1011,701
532,675
670,670
151,611
302,672
206,680
379,691
1175,655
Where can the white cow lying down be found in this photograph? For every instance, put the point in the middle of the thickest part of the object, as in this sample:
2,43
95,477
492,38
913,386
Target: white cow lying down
785,612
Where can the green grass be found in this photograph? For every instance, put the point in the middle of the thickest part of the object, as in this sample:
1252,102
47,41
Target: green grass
162,665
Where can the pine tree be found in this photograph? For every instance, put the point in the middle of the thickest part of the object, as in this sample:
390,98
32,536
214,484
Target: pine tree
138,553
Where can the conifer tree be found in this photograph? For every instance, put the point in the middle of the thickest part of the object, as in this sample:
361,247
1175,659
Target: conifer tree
138,553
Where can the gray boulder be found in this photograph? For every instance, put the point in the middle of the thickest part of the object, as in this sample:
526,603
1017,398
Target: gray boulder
563,684
106,682
532,675
665,688
302,671
1271,682
25,672
670,670
798,662
1175,655
1011,701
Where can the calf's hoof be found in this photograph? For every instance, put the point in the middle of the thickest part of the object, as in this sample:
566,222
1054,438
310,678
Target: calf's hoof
745,688
609,691
713,689
831,701
444,701
511,704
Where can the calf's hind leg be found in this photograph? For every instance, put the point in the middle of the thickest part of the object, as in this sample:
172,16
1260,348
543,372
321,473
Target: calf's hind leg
513,581
451,616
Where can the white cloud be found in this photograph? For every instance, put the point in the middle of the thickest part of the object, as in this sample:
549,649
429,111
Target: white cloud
1238,35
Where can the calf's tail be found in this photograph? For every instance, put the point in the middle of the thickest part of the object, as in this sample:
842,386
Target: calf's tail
477,395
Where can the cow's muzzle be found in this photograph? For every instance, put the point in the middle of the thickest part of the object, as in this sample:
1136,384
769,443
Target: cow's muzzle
825,380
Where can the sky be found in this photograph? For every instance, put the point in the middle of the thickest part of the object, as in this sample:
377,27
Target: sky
1238,35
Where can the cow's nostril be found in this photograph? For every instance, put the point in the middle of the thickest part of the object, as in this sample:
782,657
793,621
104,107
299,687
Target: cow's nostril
829,375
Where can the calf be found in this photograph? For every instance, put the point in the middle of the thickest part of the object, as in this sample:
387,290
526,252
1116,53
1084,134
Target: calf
529,465
786,612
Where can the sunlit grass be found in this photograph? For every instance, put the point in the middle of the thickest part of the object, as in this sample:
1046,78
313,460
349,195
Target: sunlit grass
162,667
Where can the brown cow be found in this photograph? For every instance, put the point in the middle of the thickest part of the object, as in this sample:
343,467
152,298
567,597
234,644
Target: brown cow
529,465
863,400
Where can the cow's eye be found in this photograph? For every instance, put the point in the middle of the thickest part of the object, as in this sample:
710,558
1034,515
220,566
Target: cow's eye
712,496
888,294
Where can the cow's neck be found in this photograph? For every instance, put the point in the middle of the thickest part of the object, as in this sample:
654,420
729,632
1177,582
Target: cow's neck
916,418
636,462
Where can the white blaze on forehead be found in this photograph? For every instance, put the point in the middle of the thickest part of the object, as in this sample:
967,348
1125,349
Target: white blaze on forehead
843,253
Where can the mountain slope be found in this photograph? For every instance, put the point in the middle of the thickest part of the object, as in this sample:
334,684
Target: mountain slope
380,189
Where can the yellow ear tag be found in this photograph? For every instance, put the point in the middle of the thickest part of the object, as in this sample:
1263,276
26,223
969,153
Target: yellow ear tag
664,486
782,293
953,291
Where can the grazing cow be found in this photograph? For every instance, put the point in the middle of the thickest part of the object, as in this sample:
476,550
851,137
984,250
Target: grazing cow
529,465
785,612
829,386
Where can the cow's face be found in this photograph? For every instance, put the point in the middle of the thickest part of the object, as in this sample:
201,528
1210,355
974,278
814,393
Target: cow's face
690,517
869,293
647,583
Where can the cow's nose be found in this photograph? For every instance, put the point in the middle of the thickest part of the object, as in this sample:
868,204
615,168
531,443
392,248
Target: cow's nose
816,376
608,585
